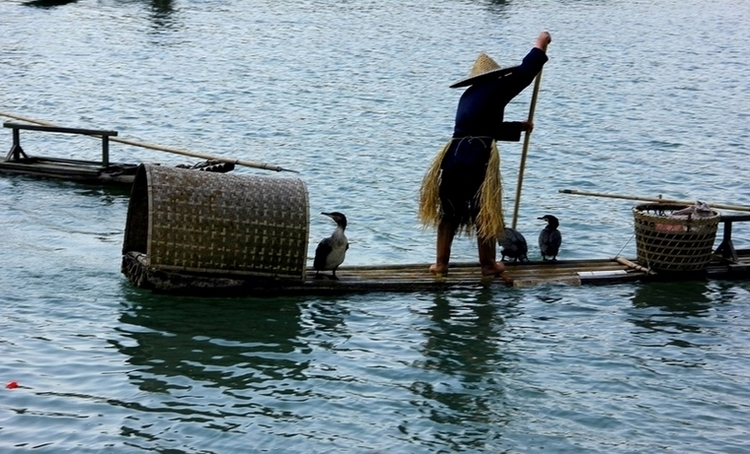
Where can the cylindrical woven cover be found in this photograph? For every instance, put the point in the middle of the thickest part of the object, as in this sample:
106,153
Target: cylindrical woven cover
207,222
669,243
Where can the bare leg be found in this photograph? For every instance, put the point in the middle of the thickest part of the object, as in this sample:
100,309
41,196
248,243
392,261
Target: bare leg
487,258
445,234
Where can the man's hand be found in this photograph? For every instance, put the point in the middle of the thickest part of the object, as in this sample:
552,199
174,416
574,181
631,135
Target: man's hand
543,40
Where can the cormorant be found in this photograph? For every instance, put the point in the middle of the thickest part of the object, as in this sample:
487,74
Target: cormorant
331,251
514,245
550,238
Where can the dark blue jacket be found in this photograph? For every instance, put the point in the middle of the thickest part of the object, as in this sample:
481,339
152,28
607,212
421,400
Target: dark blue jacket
481,110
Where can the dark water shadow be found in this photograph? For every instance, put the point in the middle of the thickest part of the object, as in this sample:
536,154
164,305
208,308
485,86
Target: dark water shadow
163,7
685,299
48,3
463,324
162,13
218,359
464,345
27,182
672,313
500,8
230,342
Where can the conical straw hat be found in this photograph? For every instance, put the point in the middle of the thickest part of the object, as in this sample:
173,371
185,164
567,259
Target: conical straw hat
484,66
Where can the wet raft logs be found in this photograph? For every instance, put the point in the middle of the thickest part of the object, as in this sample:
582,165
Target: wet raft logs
198,229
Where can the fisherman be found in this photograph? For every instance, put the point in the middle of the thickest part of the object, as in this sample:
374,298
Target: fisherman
461,190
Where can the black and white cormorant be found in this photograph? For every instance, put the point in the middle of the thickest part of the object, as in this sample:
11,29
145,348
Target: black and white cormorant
514,245
550,238
331,251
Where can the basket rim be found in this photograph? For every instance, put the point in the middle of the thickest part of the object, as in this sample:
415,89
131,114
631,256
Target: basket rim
642,211
666,205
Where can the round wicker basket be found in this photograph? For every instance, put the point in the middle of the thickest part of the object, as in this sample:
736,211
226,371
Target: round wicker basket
673,243
218,224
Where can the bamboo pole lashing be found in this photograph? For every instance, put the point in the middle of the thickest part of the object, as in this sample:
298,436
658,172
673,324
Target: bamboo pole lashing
633,265
157,147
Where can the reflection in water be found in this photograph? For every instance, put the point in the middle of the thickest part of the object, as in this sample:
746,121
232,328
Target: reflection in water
679,298
28,187
212,364
161,6
499,8
327,320
161,10
464,338
227,366
48,3
106,195
234,344
673,314
671,307
463,347
161,13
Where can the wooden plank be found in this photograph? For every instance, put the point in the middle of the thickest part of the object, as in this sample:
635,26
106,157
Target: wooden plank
417,276
113,175
74,162
53,169
532,282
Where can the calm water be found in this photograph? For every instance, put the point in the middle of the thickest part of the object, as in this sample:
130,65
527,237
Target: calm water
639,97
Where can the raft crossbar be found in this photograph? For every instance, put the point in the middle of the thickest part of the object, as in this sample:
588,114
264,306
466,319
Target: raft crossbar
726,247
16,151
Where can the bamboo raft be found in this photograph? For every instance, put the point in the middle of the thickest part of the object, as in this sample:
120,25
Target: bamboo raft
101,172
417,278
202,233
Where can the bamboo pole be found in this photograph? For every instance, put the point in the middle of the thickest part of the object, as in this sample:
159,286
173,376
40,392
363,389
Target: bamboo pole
655,199
180,151
635,266
526,139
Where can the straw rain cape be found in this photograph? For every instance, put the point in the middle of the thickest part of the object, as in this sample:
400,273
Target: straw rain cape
489,222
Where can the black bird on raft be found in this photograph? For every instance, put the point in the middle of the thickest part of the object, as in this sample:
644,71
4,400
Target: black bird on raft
550,238
331,251
514,245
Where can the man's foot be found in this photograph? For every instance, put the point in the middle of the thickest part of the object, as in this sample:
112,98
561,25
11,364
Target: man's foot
490,270
438,269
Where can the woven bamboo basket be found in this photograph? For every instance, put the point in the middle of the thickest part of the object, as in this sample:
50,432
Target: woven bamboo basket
668,243
218,224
